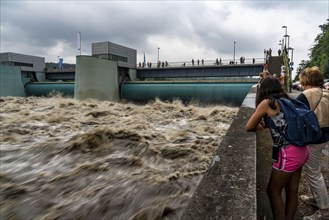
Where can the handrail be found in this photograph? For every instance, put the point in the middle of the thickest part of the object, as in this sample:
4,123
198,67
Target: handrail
183,64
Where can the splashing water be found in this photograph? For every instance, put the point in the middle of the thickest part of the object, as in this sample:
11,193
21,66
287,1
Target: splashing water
67,159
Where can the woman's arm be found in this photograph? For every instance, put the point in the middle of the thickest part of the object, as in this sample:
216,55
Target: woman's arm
254,122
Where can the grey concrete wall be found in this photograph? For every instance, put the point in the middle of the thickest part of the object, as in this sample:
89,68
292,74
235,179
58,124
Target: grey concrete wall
103,48
96,78
38,63
11,81
228,188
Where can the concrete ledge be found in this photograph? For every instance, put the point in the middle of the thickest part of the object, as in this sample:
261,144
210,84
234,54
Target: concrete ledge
228,188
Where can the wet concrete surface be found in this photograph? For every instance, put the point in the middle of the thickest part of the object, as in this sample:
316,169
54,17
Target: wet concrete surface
228,189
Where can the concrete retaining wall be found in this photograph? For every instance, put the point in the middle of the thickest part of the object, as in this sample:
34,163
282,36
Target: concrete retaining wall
228,188
11,81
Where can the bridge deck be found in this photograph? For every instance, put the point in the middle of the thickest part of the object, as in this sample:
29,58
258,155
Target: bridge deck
201,71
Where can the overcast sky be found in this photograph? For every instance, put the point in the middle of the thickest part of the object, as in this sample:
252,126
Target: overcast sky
181,29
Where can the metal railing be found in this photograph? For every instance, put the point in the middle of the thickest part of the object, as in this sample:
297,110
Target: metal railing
200,63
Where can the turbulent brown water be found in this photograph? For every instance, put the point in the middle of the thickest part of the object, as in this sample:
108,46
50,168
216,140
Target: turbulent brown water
67,159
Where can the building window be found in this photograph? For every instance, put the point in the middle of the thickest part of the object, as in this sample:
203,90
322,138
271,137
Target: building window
11,63
112,57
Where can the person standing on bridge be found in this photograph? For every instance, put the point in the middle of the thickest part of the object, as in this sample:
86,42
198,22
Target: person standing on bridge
282,74
288,159
317,98
265,69
262,76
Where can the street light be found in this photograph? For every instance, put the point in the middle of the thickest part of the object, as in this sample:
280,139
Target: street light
234,53
285,43
79,41
292,54
291,64
158,54
287,36
280,44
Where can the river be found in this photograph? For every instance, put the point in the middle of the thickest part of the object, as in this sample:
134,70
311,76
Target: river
63,158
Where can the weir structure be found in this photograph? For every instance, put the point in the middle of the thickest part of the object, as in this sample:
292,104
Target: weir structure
111,73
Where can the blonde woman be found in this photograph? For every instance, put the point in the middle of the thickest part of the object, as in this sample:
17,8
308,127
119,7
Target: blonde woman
317,98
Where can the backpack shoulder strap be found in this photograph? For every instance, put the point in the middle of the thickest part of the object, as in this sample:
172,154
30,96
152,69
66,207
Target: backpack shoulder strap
270,122
319,100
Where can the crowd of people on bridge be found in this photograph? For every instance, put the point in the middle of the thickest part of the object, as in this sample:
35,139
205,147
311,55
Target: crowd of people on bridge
193,62
198,62
149,64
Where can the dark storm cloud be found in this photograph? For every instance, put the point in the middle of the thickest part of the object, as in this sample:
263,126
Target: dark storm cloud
45,23
183,29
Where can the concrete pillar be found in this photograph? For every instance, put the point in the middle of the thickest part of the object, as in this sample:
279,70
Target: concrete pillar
11,81
96,78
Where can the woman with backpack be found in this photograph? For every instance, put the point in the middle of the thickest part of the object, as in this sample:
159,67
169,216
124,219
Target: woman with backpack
288,159
317,98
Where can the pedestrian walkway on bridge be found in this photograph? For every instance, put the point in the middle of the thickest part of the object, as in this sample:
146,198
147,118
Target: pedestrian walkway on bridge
200,63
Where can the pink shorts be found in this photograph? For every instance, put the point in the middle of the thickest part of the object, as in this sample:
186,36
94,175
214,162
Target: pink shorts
291,158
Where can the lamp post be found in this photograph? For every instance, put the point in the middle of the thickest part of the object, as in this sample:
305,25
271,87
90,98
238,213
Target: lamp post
234,52
280,44
292,54
285,41
291,67
158,54
79,41
287,36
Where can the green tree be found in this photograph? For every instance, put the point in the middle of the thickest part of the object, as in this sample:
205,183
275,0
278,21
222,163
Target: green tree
319,55
303,64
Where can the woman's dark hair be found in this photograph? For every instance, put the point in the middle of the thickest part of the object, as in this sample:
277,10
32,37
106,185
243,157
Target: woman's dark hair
270,88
